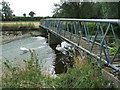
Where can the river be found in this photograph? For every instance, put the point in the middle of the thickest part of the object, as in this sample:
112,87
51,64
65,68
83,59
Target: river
46,55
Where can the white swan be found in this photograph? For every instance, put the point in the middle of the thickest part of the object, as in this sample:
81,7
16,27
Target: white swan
25,50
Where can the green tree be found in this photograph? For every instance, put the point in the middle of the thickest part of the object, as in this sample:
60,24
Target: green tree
110,9
6,10
87,10
31,13
24,14
56,10
14,15
68,10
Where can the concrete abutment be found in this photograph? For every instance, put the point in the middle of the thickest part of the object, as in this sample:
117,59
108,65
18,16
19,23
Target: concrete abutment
52,39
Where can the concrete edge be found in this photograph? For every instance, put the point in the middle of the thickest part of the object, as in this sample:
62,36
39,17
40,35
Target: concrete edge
109,77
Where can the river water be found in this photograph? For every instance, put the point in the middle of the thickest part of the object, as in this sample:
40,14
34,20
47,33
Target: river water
46,55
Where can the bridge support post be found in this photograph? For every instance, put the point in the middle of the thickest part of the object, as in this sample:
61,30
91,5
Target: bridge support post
53,40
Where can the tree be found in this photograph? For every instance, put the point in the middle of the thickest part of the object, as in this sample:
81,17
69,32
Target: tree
68,10
31,13
6,10
24,14
110,9
14,15
87,10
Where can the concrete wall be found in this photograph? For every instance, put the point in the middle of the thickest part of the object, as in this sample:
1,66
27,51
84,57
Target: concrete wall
43,32
53,40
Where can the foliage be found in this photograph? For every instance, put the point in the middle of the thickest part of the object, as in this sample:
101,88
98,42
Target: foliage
6,10
68,10
27,77
110,9
84,76
24,14
87,10
114,50
31,13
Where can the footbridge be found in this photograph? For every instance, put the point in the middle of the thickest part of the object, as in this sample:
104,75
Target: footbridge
100,38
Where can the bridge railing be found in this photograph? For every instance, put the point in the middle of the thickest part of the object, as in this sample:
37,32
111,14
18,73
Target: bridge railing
98,37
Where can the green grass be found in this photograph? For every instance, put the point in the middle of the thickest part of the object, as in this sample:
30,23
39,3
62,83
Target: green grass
17,25
84,76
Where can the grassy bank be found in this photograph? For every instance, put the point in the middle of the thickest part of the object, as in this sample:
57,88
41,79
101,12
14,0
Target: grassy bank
84,76
17,25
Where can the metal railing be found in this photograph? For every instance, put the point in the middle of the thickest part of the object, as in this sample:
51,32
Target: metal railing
98,37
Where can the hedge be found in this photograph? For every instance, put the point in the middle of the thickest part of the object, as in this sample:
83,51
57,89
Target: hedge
24,19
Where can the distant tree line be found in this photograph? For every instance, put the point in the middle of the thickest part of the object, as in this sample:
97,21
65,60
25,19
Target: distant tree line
23,19
7,14
87,10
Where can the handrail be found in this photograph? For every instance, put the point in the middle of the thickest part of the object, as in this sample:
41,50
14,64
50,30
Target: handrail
87,20
80,30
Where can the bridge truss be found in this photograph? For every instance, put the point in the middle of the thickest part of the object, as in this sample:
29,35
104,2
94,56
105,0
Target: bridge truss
100,38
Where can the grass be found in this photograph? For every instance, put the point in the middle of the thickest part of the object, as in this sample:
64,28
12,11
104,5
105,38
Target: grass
84,76
16,25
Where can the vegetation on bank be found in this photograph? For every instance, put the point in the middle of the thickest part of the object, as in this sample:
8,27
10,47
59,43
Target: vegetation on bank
19,25
84,75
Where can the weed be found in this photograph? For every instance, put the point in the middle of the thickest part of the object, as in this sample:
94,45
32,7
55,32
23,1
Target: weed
84,76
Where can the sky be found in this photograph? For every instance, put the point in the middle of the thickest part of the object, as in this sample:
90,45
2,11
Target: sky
40,7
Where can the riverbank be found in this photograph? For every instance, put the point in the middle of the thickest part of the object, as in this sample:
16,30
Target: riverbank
9,30
81,76
10,38
82,73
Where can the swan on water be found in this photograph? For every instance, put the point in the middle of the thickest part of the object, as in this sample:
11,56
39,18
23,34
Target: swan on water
25,50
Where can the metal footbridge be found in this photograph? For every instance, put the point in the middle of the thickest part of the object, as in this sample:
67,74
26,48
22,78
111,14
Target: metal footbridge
99,38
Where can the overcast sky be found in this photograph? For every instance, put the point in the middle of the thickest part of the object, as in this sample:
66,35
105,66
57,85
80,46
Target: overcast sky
40,7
